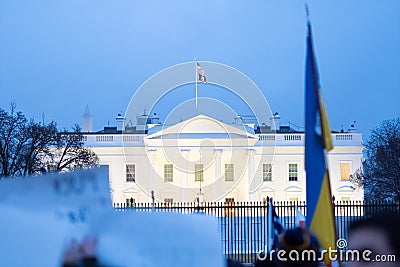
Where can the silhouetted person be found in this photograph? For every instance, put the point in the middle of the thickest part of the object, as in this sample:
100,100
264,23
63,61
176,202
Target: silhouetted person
81,254
381,235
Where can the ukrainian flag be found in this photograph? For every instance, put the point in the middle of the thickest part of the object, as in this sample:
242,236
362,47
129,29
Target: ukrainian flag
320,215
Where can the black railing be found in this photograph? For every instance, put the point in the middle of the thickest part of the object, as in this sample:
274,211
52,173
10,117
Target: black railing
243,225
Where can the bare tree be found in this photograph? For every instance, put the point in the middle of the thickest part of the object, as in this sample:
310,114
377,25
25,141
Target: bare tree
70,153
381,169
12,142
41,139
357,178
27,146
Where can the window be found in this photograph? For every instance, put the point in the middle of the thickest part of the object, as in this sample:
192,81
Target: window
267,172
229,172
198,173
51,168
168,202
130,172
130,201
229,200
344,171
168,173
292,172
229,206
293,199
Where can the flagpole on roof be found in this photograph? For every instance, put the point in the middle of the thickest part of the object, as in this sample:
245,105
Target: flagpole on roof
307,13
195,78
198,77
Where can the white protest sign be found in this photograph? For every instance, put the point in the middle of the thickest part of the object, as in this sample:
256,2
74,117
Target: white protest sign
29,239
69,196
150,239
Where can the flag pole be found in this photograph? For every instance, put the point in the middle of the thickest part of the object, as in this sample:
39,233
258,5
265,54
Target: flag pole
195,78
307,13
320,211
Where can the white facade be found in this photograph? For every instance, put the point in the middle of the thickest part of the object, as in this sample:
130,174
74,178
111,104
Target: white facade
237,164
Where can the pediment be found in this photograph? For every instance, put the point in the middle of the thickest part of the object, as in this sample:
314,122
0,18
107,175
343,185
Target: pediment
201,127
346,188
267,189
131,190
293,189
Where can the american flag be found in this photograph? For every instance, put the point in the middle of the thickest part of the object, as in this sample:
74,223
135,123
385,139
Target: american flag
300,218
275,228
201,77
200,68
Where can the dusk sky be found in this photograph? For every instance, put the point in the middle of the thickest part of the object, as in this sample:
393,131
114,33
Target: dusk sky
56,57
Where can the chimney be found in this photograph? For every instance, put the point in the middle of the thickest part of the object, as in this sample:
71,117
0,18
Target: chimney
238,120
275,122
141,125
352,128
87,121
120,121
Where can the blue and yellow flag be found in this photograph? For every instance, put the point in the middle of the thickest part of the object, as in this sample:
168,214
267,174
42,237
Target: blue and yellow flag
320,215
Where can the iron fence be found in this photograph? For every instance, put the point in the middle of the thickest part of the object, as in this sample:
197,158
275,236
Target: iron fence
243,225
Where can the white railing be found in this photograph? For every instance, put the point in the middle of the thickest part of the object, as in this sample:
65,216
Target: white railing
295,139
344,137
112,140
292,137
130,138
266,137
104,138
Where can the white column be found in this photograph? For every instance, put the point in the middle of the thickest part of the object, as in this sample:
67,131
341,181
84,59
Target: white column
151,182
251,172
185,176
217,179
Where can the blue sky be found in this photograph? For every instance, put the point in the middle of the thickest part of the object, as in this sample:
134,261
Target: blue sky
56,57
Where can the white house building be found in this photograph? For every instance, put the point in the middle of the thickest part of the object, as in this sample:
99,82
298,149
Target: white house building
205,159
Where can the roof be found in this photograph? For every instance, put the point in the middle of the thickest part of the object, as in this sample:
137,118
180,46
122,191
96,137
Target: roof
282,129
